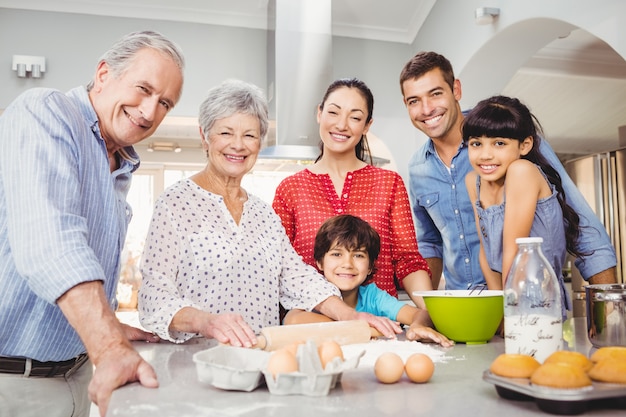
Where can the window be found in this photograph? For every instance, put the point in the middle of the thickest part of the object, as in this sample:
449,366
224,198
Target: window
148,183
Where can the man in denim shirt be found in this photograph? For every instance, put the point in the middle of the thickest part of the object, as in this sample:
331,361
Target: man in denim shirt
444,219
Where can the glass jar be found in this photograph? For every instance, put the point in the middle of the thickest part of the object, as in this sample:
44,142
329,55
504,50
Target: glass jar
533,323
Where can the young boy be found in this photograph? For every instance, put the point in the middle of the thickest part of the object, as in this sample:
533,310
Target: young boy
346,248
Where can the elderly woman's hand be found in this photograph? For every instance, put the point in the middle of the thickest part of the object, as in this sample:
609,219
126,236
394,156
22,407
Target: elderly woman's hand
227,328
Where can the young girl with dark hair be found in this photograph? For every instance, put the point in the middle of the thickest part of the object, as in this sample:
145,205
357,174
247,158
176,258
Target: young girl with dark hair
516,192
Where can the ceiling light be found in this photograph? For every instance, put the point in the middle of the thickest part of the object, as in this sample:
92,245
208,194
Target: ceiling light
164,147
486,15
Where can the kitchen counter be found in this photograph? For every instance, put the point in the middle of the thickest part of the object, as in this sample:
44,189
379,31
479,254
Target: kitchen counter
456,388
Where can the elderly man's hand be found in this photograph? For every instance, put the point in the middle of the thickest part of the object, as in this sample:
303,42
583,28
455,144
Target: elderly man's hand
118,366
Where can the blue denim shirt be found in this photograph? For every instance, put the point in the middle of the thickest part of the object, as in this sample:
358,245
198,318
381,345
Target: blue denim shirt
446,228
63,218
547,223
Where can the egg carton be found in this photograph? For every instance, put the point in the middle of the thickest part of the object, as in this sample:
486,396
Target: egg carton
231,368
311,379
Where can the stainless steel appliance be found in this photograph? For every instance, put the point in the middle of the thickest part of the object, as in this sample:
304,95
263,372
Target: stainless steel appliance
601,178
606,314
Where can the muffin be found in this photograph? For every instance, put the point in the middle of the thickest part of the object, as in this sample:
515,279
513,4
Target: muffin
612,352
573,358
514,365
560,375
609,370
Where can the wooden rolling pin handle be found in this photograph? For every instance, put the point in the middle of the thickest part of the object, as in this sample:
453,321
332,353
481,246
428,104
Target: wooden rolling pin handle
375,333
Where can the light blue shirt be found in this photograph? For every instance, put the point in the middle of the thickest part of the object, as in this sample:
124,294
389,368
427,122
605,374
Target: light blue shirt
446,228
375,301
63,218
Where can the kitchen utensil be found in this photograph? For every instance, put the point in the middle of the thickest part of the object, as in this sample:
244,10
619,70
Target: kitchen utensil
606,314
343,332
466,316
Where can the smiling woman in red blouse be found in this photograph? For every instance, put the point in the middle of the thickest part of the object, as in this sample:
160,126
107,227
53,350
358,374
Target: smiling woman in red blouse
343,181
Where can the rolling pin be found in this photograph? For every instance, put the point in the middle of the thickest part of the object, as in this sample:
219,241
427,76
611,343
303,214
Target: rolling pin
343,332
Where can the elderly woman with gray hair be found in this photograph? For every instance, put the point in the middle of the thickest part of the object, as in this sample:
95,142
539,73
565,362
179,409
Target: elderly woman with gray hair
217,261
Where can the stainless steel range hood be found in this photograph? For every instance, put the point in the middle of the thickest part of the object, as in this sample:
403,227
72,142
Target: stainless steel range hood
299,69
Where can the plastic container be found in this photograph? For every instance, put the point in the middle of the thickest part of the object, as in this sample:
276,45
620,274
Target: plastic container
533,320
231,368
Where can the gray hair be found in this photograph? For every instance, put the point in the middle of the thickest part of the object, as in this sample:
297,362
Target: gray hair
231,97
121,54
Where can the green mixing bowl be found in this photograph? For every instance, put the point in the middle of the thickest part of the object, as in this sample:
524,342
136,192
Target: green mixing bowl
466,316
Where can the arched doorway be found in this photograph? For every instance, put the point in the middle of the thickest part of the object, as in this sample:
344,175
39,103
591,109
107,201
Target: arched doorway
573,81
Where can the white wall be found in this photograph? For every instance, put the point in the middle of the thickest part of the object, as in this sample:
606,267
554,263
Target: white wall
73,43
484,57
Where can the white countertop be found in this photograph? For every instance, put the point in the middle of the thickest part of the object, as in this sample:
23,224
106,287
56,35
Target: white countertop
456,388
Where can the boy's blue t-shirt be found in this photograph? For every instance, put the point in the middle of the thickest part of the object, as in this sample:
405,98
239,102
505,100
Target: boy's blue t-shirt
375,301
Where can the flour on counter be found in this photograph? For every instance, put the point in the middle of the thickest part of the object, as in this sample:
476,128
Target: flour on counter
404,349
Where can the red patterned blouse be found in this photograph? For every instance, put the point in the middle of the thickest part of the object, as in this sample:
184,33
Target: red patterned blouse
305,200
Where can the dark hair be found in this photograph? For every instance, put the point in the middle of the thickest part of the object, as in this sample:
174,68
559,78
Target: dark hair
350,232
425,62
506,117
362,148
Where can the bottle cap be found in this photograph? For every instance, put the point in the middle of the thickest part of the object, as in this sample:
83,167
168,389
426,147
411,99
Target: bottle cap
529,240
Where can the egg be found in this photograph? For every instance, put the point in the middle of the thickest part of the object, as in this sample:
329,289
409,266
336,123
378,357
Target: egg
329,350
282,361
389,368
419,367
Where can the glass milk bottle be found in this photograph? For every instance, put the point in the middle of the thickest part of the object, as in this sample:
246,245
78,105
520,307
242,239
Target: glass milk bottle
533,324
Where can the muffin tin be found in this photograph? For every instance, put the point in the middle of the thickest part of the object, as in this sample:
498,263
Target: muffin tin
241,369
560,401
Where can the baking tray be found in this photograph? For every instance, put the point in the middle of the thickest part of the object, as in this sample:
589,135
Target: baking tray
560,401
